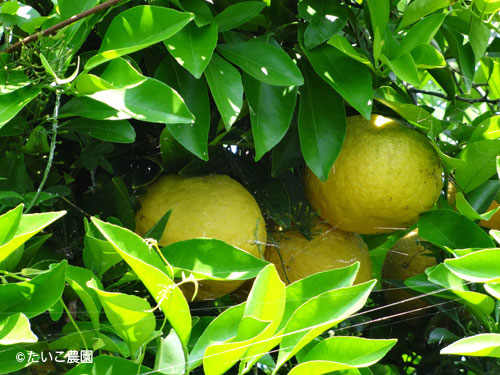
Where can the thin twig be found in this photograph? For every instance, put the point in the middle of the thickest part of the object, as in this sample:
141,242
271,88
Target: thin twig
483,99
53,29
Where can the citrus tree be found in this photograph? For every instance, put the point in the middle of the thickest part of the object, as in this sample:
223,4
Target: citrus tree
331,196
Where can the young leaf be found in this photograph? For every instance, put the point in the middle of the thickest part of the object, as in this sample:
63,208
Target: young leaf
11,104
322,123
193,46
348,77
482,345
15,329
226,87
271,110
237,14
137,28
478,266
263,61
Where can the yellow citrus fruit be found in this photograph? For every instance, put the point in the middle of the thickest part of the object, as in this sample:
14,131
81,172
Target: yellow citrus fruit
407,258
295,257
385,176
214,206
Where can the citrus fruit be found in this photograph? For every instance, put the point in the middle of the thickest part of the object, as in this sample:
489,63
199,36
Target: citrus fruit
384,177
407,258
295,257
214,206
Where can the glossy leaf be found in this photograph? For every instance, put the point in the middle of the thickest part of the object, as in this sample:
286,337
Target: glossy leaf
349,78
420,8
404,67
109,131
137,28
12,103
226,87
104,364
318,314
15,329
263,61
379,16
342,44
8,359
151,270
212,259
487,129
193,46
482,345
131,317
421,33
467,210
449,228
338,353
89,108
235,15
478,266
322,123
165,106
426,56
34,297
271,110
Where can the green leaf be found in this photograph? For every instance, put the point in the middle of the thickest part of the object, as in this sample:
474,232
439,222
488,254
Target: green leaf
12,103
318,314
16,329
9,222
235,15
271,110
89,108
77,278
379,16
263,61
68,8
444,78
151,270
110,131
29,225
212,259
10,79
348,77
202,13
165,106
404,67
195,94
420,8
478,266
449,228
482,345
137,28
338,353
342,44
421,33
488,128
108,365
480,163
131,317
9,361
193,46
157,230
124,210
221,329
467,210
226,87
169,357
325,20
463,54
322,123
427,57
487,6
34,297
479,36
120,73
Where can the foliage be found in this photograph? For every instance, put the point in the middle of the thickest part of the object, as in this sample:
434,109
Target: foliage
92,114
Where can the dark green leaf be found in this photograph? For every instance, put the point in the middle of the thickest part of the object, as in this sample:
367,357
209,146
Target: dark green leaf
237,14
110,131
11,104
124,209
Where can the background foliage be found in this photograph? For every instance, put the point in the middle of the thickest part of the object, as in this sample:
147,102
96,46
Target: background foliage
91,115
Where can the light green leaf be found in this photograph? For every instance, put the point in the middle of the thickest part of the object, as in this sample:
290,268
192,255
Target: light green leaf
318,314
404,67
12,103
322,123
193,46
467,210
420,8
9,222
271,110
427,57
104,364
487,6
482,345
169,357
338,353
131,317
489,128
16,329
350,79
263,61
379,16
478,266
226,87
212,259
137,28
151,270
421,33
165,106
342,44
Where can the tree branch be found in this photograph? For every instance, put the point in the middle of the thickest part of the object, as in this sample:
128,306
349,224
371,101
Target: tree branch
483,99
55,28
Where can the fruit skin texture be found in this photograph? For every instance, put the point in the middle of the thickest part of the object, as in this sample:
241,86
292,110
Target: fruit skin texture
407,258
214,206
332,248
385,176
